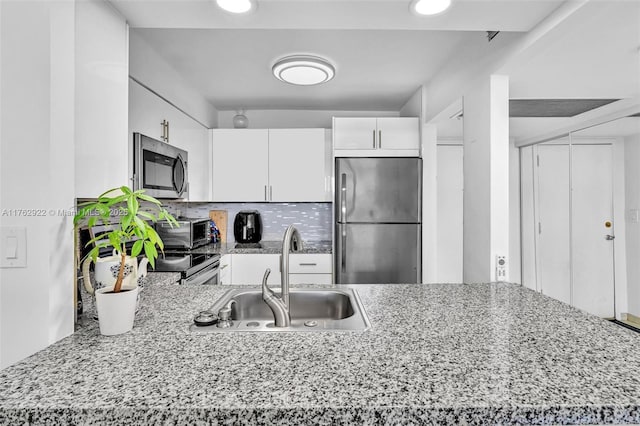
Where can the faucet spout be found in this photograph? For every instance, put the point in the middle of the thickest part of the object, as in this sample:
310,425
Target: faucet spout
291,243
276,304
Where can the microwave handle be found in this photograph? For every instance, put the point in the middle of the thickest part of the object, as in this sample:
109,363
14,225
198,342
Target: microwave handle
182,164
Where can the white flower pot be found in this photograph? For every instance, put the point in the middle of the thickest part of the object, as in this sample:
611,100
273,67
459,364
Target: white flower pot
116,311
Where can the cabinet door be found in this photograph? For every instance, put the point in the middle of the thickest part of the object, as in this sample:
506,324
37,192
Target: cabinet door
354,133
297,165
240,162
250,268
225,269
398,133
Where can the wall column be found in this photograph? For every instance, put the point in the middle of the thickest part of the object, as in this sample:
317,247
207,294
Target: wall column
486,178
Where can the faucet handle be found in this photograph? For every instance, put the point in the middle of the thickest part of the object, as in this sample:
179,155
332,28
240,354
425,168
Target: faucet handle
265,287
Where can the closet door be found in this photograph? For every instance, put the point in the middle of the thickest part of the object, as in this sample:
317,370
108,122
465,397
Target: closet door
553,243
450,208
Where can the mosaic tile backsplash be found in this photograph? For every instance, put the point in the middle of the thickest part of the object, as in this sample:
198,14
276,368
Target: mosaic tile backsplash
313,220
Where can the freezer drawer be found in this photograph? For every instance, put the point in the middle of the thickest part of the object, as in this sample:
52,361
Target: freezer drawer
378,253
378,190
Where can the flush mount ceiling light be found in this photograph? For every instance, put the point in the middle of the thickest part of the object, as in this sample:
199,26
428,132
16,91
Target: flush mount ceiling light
429,7
303,70
236,6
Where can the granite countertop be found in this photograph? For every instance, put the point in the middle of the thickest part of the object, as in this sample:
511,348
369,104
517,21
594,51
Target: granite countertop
435,354
266,247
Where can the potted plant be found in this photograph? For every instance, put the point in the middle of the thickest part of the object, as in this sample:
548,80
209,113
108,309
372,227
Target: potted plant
119,208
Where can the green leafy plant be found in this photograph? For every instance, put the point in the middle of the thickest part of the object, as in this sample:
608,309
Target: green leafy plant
132,223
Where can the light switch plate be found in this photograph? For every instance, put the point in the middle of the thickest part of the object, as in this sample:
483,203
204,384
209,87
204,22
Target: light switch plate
13,247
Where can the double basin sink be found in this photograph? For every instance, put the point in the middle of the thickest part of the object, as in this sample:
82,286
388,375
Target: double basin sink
310,310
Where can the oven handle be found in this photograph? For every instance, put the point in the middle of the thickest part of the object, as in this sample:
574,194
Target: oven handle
203,277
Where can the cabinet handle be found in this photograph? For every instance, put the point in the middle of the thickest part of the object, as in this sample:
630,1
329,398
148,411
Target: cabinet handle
374,139
270,193
223,266
265,193
308,264
379,138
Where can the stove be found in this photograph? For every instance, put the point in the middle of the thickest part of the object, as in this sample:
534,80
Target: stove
194,268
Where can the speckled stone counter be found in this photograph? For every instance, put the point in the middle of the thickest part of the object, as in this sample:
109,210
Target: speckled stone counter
436,354
266,247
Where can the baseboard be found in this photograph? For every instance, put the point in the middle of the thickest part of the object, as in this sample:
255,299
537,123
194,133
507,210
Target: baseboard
634,320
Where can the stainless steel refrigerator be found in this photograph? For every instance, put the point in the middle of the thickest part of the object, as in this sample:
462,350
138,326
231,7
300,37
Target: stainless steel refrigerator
378,220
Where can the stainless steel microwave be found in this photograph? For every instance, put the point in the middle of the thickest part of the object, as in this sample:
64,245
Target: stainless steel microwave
190,233
159,168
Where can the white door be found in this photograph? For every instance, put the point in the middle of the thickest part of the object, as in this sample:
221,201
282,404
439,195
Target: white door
528,220
592,211
398,133
240,164
354,133
450,209
553,243
297,165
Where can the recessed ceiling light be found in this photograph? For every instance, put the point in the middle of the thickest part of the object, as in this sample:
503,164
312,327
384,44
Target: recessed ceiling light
429,7
236,6
303,70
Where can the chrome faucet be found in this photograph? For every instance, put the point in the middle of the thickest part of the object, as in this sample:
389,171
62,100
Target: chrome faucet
281,315
292,242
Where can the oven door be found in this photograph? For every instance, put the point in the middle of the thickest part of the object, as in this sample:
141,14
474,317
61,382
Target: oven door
207,276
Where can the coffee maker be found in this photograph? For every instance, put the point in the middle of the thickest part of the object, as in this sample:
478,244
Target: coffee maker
247,227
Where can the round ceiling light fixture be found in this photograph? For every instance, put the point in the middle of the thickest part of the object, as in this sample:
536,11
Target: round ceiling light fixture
236,6
429,7
303,70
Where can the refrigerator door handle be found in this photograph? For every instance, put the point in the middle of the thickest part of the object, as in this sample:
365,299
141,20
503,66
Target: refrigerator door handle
343,255
343,198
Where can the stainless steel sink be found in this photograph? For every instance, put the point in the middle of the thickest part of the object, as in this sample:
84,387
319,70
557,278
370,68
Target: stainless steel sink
311,310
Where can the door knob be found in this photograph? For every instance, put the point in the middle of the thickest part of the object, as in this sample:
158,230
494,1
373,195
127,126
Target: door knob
610,237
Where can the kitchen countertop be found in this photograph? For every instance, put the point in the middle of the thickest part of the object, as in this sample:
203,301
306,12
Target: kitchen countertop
266,247
436,354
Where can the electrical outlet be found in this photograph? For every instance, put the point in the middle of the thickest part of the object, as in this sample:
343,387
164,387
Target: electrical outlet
501,268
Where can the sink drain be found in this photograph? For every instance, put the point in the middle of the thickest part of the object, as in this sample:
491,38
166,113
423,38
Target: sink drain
310,323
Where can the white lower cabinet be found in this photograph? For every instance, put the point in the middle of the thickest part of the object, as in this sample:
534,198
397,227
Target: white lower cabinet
249,269
225,269
310,268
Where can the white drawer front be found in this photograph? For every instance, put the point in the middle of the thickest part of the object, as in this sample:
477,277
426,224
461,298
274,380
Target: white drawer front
312,263
295,279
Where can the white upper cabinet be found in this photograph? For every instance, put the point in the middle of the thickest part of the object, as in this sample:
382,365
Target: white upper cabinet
297,165
355,133
279,165
147,111
384,136
240,164
398,133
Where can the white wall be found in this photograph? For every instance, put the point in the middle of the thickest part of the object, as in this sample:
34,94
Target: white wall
101,98
292,119
37,172
486,178
149,68
632,202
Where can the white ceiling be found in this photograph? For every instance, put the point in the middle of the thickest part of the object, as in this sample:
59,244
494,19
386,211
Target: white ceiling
375,69
382,52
